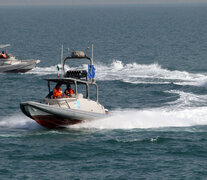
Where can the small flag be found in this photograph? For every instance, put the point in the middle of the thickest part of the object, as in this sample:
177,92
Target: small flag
91,71
58,68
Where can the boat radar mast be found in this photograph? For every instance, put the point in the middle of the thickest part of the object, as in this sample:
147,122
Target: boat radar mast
79,74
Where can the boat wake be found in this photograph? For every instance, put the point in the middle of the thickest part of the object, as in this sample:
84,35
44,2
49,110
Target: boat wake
187,99
127,119
188,110
148,74
145,119
41,71
136,74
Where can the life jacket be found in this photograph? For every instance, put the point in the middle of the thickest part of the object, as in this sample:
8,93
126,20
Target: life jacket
4,55
57,93
71,91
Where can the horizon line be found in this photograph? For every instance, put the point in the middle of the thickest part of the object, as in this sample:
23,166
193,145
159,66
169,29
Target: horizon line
98,3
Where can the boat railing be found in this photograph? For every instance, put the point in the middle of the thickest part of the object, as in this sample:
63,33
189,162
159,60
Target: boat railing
59,101
6,61
63,102
10,61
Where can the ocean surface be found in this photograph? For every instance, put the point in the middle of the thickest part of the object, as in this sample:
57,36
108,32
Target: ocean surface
152,74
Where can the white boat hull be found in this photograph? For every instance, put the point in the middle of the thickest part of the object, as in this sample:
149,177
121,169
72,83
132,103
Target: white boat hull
56,117
17,66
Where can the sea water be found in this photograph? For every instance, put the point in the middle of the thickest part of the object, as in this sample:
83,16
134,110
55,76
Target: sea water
151,70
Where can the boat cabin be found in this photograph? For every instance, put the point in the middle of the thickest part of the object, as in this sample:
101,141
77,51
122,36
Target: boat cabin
76,78
76,83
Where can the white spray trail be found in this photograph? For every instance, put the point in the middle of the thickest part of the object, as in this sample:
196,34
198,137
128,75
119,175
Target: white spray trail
151,74
155,118
126,119
135,73
187,99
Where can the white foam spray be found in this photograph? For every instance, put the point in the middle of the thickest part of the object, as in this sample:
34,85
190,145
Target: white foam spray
150,74
44,70
18,121
126,119
187,99
154,118
135,73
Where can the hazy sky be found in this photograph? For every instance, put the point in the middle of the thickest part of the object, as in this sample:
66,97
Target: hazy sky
93,2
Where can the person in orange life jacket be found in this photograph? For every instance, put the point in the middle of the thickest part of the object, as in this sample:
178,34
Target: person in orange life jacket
69,91
3,55
57,92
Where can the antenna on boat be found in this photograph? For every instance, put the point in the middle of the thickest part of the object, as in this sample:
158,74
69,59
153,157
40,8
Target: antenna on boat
88,50
61,60
92,54
68,51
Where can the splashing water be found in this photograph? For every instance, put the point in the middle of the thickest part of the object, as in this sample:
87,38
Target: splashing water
154,118
150,74
135,73
18,121
187,110
187,100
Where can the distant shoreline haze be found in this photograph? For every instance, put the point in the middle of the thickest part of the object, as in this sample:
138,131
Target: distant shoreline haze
94,2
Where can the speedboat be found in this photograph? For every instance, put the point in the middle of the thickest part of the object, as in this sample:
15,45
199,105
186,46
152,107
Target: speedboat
12,65
82,106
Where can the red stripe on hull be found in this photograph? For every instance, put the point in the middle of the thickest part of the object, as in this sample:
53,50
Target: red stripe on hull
52,122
